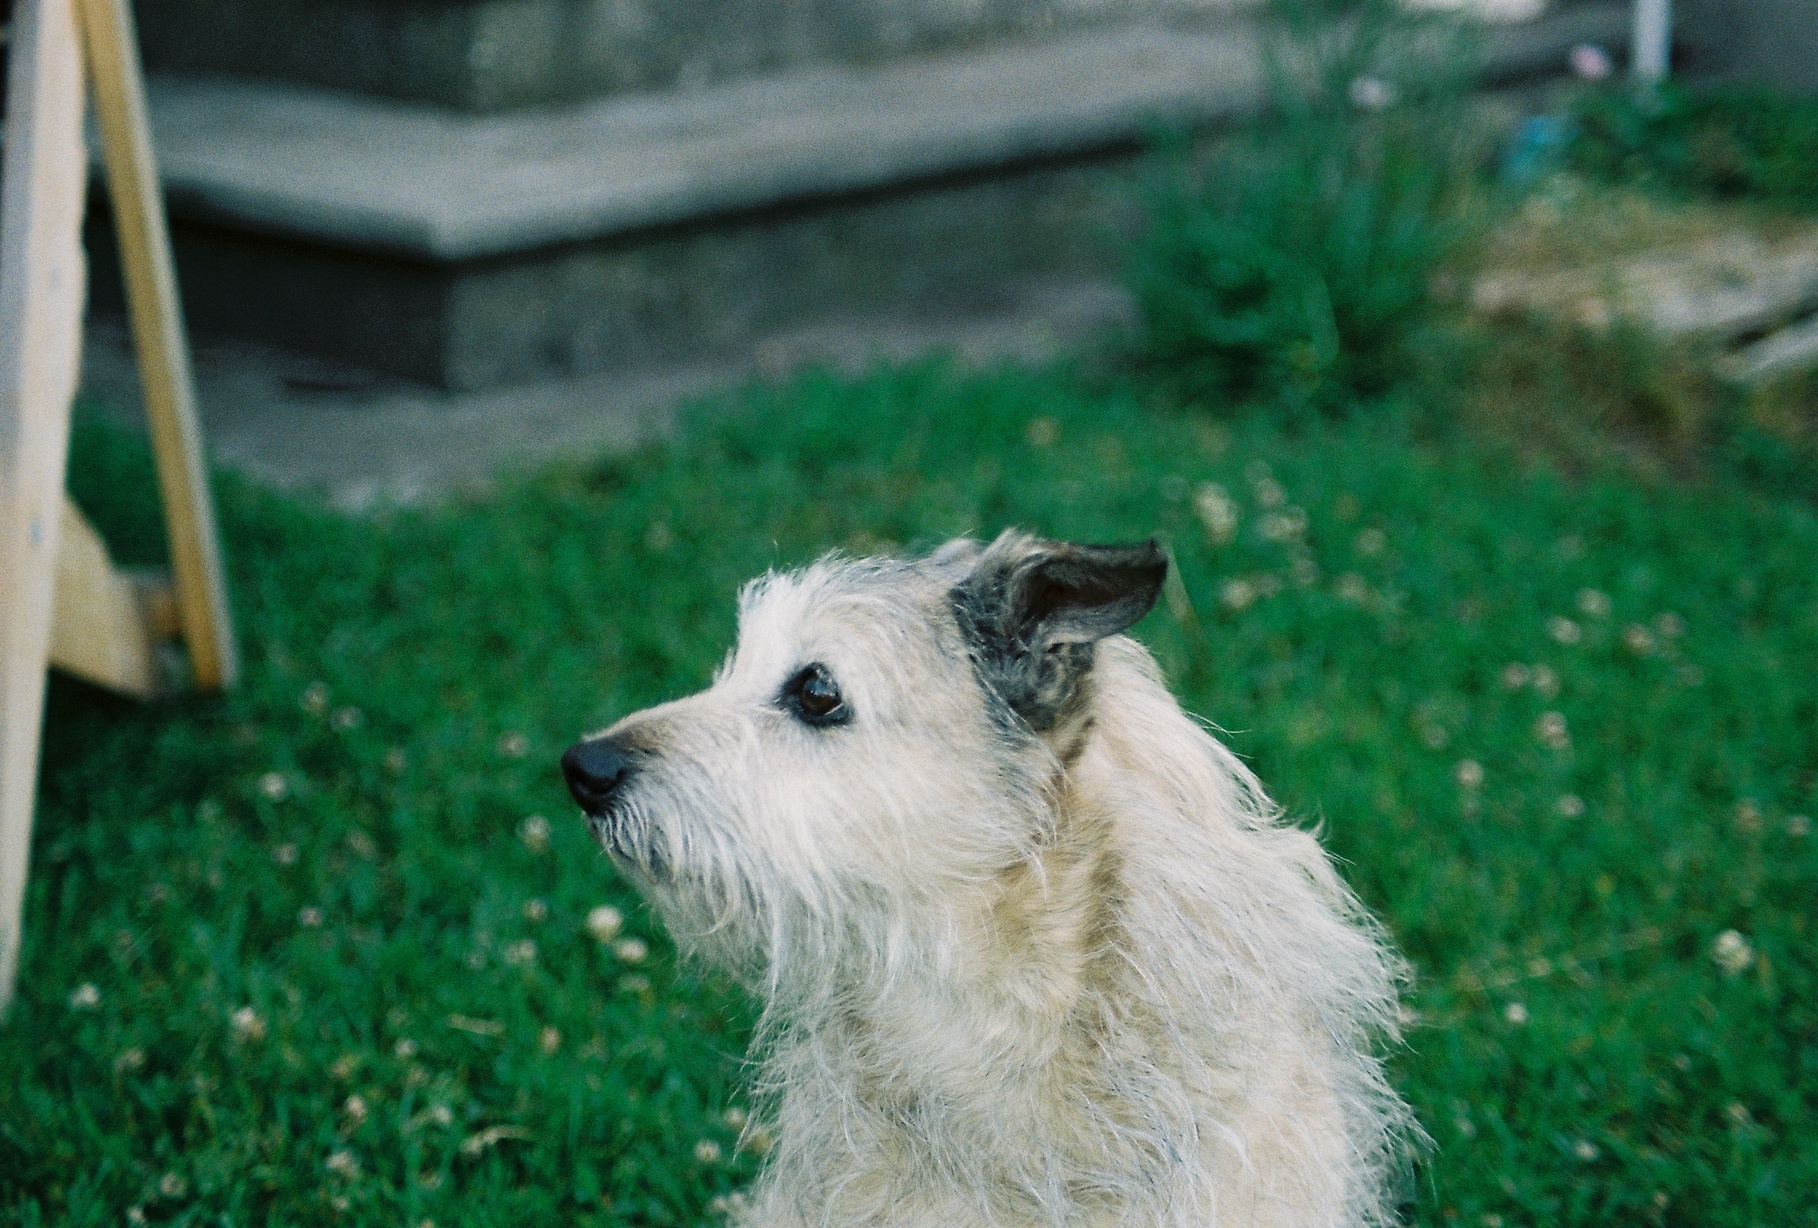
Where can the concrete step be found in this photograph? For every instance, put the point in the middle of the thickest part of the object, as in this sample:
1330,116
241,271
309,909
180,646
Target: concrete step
362,440
471,251
489,55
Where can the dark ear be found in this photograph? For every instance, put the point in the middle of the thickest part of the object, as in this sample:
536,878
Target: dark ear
1032,609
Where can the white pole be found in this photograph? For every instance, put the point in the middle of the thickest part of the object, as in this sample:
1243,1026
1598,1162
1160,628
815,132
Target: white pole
1653,43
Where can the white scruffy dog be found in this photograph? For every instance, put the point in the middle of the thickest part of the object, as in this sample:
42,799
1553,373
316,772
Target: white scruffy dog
1034,948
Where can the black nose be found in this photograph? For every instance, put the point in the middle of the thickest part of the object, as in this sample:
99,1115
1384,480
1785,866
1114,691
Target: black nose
594,771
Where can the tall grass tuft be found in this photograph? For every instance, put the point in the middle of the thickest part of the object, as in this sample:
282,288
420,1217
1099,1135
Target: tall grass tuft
1294,259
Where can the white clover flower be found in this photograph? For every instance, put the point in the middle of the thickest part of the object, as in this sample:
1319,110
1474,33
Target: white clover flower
734,1208
285,854
172,1185
84,997
1564,630
535,911
1236,593
1515,1014
1284,526
347,719
309,917
1468,773
1638,639
514,745
549,1040
534,832
1269,492
521,952
1593,603
1747,817
314,699
274,786
1586,1150
1732,952
405,1049
1515,675
1669,626
1798,825
631,950
343,1164
1370,541
1551,731
247,1024
604,923
1351,588
707,1152
1217,513
1571,806
1546,681
354,1107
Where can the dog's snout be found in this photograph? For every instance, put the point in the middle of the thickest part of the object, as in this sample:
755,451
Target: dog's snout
595,770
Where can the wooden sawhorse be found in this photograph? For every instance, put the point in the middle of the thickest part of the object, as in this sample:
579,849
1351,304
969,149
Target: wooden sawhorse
62,602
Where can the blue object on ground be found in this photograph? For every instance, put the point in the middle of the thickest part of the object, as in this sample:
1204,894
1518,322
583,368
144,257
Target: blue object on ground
1538,148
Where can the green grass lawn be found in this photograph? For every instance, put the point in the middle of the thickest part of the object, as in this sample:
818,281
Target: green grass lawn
320,952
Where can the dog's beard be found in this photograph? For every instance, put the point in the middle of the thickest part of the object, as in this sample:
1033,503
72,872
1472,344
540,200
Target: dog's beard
636,844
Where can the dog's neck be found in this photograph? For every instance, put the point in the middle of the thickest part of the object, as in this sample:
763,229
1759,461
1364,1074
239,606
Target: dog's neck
1018,966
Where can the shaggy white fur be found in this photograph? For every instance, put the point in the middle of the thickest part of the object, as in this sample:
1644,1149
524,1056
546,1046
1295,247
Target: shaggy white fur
1034,948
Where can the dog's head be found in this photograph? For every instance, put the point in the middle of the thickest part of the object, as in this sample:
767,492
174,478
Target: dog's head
885,731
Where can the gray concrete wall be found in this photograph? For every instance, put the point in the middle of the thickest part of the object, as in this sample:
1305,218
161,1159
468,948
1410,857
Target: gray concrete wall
1767,42
488,55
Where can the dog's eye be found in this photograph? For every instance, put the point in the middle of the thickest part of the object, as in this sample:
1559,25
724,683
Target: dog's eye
815,697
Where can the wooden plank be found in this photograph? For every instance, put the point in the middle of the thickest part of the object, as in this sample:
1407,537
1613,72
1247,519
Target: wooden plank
42,283
157,325
100,631
1793,348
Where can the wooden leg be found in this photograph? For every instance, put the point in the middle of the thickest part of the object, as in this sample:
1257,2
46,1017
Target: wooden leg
42,283
157,322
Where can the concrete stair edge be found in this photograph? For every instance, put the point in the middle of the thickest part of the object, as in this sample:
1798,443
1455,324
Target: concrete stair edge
361,174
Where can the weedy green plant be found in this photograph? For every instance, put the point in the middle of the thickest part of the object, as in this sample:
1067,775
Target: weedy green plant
1729,143
1295,259
335,950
